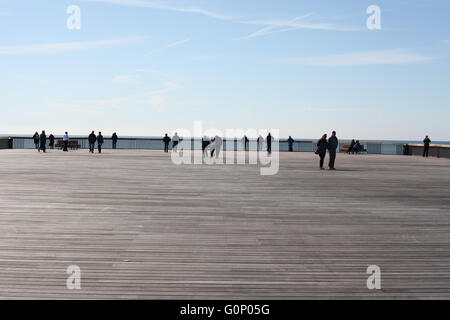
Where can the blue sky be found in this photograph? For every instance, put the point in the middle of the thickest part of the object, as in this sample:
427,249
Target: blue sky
143,67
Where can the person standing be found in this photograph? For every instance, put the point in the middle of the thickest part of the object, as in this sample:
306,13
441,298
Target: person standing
51,138
291,144
99,142
322,149
175,140
92,138
166,141
36,141
332,146
217,145
352,146
43,140
66,141
426,146
269,141
114,139
260,143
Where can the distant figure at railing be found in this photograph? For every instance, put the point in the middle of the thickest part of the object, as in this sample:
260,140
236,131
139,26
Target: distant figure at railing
205,143
99,142
36,140
175,140
260,143
269,141
426,146
43,140
245,142
66,141
322,149
332,146
91,139
214,147
166,141
51,138
290,143
114,139
352,146
356,147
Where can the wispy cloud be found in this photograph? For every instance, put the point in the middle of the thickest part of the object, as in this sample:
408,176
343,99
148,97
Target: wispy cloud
171,45
4,13
124,79
157,5
386,57
275,26
59,47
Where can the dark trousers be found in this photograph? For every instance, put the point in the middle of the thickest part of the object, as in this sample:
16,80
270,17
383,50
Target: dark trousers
51,145
166,147
290,148
66,143
332,154
91,147
43,146
425,151
269,147
99,148
36,145
174,144
114,145
322,158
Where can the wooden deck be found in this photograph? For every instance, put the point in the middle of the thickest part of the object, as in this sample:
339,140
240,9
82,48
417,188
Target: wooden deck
140,227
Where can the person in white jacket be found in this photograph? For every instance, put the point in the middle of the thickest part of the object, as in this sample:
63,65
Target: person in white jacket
175,140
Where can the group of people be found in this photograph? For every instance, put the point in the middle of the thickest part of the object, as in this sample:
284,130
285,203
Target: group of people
175,140
40,141
355,147
331,145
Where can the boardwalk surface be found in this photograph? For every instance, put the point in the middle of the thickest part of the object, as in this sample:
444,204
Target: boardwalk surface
140,227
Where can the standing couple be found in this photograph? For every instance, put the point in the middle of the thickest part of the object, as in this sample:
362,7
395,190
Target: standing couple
331,145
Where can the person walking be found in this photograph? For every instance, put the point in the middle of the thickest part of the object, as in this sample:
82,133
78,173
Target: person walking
426,146
43,140
291,144
175,140
51,138
332,146
269,141
36,141
166,141
91,139
99,142
114,139
66,141
322,149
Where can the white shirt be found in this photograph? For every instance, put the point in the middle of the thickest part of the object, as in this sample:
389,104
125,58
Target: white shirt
66,137
176,138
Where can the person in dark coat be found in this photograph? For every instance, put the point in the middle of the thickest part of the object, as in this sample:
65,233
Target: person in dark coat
332,146
290,143
322,145
114,139
269,143
36,140
352,145
51,138
166,141
426,146
43,140
92,138
99,142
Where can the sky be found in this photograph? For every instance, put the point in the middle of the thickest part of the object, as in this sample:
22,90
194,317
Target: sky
144,67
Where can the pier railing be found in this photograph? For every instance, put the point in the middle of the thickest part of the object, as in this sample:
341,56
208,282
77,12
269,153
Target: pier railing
21,142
